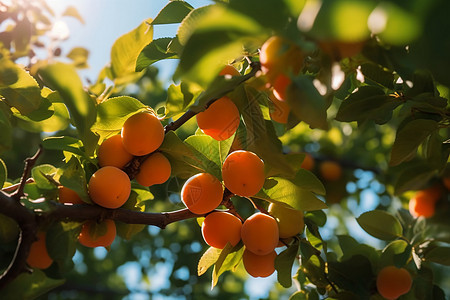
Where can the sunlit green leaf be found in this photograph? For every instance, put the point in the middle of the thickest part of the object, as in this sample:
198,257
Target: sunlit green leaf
173,12
179,97
73,177
18,88
43,175
277,189
380,224
229,259
71,11
126,49
79,56
208,259
3,173
65,80
153,52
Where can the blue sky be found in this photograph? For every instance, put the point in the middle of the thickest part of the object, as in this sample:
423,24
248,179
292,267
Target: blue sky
105,21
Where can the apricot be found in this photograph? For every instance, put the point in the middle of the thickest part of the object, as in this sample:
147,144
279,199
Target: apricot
423,204
202,193
278,55
155,169
142,133
220,228
229,70
392,282
259,265
279,110
260,234
38,256
95,234
330,170
66,195
308,162
220,120
280,85
290,221
109,187
446,182
243,173
112,153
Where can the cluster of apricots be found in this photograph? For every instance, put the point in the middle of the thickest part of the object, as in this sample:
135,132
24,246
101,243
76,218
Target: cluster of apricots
243,175
110,186
393,282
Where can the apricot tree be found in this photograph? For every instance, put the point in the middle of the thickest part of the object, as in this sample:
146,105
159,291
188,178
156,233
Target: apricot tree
312,118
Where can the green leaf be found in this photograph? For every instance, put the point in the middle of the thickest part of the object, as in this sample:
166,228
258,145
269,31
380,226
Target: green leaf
79,56
215,151
43,176
306,102
3,173
112,113
62,239
354,274
18,88
65,143
395,253
439,255
208,259
73,177
179,97
350,247
71,11
126,49
173,12
277,189
40,121
65,80
5,127
30,286
409,137
413,177
380,224
9,229
185,159
367,103
229,259
283,264
155,51
377,74
221,33
308,181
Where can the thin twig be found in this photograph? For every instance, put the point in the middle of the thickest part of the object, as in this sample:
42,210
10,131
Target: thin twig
15,186
29,163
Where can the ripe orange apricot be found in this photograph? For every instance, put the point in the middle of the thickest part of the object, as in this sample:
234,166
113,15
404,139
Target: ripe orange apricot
330,170
155,169
220,228
259,265
278,55
290,221
446,182
112,153
423,204
67,195
38,256
95,234
280,85
202,193
229,70
392,282
220,120
279,110
243,173
260,234
308,162
109,187
142,133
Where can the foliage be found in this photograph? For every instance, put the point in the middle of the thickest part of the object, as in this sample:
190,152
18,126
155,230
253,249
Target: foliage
372,95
